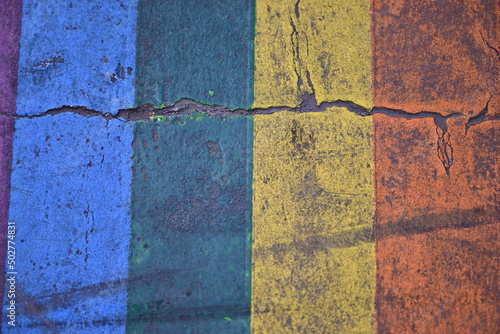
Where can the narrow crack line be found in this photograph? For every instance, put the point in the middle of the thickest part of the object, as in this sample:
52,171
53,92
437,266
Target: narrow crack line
497,52
299,66
296,54
297,9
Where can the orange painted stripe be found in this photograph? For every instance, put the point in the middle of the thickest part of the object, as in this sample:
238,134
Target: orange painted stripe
437,235
438,249
436,55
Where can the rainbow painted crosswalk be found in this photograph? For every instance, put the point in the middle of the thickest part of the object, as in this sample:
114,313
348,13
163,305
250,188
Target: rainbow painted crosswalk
329,220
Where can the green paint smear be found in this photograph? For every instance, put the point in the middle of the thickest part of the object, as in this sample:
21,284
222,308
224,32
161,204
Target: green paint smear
159,118
161,106
179,120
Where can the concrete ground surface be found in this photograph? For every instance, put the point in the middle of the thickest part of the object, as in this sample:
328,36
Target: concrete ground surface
242,166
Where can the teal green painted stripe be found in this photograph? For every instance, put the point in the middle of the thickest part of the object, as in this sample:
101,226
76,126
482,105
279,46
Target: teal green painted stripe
190,252
198,49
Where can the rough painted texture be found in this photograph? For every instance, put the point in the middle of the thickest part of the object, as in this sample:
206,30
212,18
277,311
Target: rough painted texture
77,53
436,55
70,192
191,227
312,47
10,32
437,232
195,49
437,236
313,251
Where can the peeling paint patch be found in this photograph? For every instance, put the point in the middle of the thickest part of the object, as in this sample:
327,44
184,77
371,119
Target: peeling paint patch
47,63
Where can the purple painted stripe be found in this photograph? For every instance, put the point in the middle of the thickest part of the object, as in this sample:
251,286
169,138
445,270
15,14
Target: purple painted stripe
10,32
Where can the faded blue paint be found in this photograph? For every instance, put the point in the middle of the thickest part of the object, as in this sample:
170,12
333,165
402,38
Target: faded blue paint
72,51
198,49
70,200
190,262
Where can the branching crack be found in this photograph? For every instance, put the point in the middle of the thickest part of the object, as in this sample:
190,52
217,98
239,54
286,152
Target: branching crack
444,149
148,112
481,117
491,47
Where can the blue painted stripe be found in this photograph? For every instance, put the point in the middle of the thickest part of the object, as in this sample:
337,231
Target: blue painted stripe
77,53
70,201
198,49
190,266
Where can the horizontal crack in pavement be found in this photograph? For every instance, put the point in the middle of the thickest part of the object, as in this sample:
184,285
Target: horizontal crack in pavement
148,111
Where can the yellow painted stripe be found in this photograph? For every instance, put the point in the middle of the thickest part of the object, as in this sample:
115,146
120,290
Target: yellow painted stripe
329,40
313,210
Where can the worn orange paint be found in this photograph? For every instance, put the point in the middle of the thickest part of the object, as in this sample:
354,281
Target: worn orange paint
438,236
436,55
